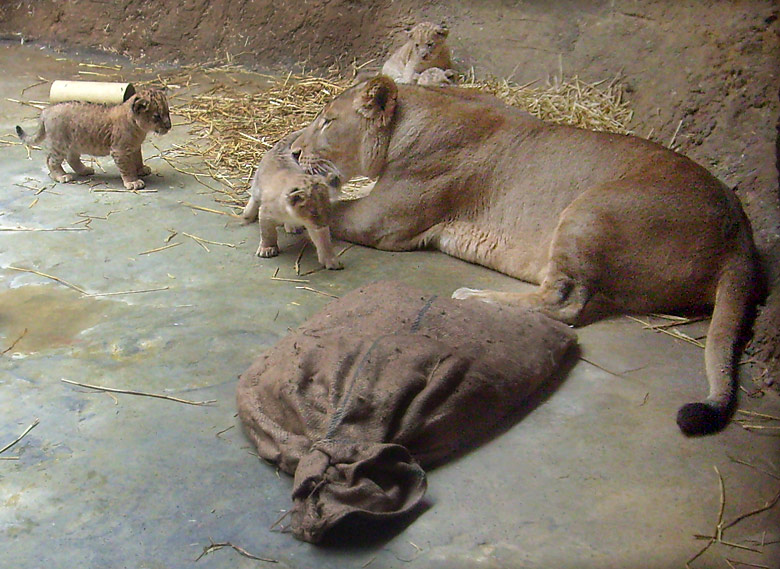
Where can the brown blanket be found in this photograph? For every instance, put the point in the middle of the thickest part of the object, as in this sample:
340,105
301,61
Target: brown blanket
382,383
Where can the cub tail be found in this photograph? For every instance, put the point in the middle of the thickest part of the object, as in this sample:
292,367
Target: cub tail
32,139
734,299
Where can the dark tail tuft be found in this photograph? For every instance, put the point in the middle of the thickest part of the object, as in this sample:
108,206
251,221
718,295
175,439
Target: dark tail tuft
696,419
20,132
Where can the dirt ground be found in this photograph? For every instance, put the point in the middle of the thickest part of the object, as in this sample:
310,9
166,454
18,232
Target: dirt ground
701,76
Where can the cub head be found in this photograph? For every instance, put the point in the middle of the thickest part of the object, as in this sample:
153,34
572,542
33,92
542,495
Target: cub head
150,110
428,39
352,132
309,201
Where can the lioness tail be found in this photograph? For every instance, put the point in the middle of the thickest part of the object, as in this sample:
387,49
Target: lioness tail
734,298
32,139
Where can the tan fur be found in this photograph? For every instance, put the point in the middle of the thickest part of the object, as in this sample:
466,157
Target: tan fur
282,193
600,221
435,77
425,49
73,128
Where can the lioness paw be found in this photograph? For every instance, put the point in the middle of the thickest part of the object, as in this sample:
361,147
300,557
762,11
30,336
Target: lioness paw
135,185
267,251
463,293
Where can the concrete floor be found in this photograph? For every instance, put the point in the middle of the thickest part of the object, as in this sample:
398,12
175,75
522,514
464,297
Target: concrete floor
595,476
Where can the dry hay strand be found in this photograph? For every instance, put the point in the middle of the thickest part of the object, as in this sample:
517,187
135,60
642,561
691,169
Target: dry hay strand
233,128
594,106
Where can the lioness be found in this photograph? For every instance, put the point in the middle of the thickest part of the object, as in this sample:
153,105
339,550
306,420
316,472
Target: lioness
590,216
282,193
74,128
425,49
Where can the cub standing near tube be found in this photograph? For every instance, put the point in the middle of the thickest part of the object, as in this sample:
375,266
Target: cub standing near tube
282,193
596,219
75,128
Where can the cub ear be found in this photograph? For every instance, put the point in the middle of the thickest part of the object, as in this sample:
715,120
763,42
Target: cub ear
333,180
442,30
140,104
375,99
296,196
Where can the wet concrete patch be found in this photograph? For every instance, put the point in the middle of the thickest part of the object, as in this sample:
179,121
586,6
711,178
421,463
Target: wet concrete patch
39,318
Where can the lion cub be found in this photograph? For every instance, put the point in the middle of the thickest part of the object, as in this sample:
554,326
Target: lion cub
282,193
425,49
75,128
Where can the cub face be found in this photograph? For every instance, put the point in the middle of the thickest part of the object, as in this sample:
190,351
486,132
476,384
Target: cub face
309,201
150,111
428,39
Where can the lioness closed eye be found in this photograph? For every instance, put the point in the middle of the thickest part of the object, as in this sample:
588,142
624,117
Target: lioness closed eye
594,218
74,128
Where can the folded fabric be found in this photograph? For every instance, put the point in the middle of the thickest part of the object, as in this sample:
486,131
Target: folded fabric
383,383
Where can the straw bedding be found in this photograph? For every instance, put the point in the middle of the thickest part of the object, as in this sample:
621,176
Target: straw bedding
233,128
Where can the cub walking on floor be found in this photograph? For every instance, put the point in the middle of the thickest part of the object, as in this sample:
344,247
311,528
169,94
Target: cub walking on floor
282,193
75,128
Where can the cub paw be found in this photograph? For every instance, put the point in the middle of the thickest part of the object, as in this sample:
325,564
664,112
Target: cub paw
267,251
63,178
333,264
86,171
144,171
135,185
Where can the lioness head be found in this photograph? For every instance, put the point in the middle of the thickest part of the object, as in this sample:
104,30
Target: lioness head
351,133
428,39
150,110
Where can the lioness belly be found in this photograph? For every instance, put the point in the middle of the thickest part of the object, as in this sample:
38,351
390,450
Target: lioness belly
490,247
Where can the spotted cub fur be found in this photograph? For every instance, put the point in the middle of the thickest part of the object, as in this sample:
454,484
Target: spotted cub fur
75,128
283,193
425,49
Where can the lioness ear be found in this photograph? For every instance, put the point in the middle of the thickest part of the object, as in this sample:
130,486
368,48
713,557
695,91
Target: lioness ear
375,99
140,104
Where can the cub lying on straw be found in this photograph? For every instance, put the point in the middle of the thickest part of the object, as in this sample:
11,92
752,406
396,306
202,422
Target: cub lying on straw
426,49
282,193
74,128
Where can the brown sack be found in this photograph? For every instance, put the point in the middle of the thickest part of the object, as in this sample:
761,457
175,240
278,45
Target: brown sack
382,383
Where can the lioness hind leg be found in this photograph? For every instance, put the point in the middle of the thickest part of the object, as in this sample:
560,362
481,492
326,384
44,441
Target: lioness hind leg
74,160
562,299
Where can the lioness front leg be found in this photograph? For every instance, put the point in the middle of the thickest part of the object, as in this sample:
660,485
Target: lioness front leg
269,246
128,168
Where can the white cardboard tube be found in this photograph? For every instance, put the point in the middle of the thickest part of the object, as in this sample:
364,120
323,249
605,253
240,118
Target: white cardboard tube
91,92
